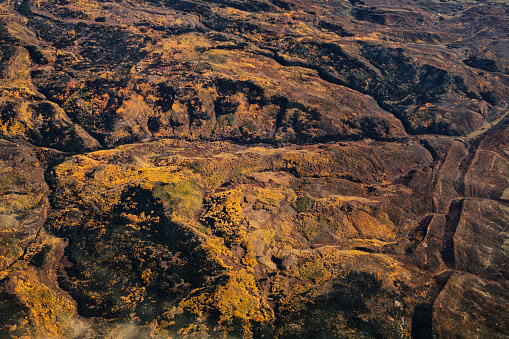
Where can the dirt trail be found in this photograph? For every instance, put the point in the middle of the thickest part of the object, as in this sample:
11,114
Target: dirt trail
486,127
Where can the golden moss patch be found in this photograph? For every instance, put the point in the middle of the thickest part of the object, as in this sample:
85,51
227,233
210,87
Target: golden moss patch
183,197
269,198
314,270
224,215
237,300
51,313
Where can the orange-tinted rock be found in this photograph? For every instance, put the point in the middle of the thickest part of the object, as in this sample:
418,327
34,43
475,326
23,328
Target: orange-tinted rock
238,168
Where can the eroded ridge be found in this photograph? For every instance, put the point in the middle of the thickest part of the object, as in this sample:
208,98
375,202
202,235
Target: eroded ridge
254,169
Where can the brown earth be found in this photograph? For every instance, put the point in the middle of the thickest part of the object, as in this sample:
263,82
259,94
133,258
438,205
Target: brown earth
264,169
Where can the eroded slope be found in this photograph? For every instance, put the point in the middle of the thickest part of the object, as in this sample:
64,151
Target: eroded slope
254,169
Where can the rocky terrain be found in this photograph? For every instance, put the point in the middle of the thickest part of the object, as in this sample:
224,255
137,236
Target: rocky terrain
254,169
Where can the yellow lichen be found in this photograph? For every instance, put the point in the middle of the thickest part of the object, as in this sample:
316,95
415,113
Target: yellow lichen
237,298
52,314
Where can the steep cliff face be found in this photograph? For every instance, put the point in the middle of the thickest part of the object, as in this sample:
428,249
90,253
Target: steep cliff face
265,169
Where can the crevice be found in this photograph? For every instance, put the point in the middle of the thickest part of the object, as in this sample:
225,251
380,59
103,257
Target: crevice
418,234
426,145
282,102
365,249
422,319
464,167
451,223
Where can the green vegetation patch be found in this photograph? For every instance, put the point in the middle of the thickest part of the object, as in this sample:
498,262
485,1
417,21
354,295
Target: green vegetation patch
303,203
10,247
315,271
183,197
